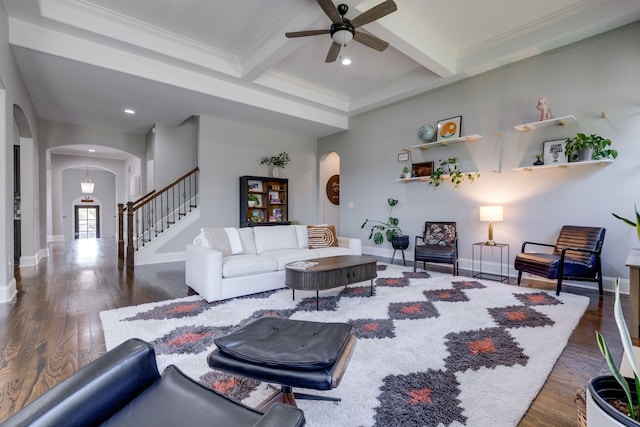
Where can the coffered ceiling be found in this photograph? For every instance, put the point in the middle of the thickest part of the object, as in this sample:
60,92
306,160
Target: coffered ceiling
84,61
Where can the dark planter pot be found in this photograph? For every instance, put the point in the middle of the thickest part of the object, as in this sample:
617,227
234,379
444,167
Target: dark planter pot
400,242
604,389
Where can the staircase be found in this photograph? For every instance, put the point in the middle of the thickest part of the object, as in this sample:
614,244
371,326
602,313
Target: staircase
153,214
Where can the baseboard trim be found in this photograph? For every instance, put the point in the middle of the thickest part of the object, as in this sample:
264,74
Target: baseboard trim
8,292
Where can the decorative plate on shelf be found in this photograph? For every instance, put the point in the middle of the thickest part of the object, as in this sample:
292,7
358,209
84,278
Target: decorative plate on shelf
426,133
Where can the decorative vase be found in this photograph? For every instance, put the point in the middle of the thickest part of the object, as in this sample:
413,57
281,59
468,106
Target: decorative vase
538,163
275,172
600,413
400,242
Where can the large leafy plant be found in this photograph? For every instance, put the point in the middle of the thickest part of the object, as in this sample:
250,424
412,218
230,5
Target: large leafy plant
635,224
599,145
389,228
628,349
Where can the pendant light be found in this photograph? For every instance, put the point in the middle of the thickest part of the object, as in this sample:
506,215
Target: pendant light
86,184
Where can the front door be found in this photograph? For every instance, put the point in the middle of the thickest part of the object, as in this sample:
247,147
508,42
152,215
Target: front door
87,222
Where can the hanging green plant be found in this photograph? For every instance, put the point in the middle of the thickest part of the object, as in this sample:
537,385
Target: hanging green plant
451,169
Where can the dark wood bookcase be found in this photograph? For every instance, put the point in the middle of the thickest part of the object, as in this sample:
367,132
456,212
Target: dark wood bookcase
272,207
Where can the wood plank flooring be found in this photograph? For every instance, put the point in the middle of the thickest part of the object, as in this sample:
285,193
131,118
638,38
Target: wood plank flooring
53,327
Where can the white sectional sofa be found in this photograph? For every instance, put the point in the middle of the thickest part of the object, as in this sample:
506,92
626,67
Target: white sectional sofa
225,263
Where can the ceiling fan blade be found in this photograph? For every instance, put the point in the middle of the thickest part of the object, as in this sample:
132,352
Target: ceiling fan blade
370,41
334,50
376,12
306,33
331,11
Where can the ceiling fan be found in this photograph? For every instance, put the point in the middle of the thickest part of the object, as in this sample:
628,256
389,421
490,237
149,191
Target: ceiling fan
343,30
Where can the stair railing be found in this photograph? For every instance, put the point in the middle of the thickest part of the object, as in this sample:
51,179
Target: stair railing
155,212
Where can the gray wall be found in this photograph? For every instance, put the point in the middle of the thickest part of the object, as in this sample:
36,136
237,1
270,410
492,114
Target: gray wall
585,79
175,151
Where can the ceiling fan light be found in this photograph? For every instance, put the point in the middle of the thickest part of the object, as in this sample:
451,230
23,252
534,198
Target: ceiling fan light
346,61
342,37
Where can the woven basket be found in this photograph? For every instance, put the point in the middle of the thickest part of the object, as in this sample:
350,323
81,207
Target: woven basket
581,402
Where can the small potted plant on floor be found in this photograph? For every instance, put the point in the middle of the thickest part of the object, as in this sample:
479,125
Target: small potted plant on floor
612,400
391,231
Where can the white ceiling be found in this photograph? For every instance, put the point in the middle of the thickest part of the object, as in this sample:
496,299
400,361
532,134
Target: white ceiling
84,61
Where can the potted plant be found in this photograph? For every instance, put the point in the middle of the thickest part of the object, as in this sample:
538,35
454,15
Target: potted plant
253,200
406,172
607,396
390,229
277,162
450,167
635,224
589,147
539,159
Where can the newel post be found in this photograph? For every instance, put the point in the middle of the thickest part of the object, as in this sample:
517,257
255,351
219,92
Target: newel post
130,247
121,231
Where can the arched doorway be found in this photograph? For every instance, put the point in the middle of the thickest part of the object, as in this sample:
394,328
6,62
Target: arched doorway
330,189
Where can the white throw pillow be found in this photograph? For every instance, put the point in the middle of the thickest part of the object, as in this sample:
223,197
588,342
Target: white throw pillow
275,237
217,239
234,240
248,240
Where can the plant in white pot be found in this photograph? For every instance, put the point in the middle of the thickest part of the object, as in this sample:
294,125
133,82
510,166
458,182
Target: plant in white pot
253,200
276,162
612,400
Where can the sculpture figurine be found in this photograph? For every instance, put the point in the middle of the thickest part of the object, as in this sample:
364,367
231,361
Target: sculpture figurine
543,109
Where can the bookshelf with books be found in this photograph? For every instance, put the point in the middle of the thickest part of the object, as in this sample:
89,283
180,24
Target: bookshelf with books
263,201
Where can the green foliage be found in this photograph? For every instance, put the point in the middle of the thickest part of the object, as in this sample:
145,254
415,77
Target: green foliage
628,348
454,171
635,224
381,229
281,160
599,145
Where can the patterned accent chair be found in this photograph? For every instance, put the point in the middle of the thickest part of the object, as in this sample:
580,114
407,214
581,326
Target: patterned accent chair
438,244
575,256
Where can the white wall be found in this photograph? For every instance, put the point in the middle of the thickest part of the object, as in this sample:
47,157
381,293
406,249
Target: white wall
175,151
329,213
585,79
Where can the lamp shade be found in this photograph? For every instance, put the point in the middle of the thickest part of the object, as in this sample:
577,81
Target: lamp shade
86,185
491,213
342,37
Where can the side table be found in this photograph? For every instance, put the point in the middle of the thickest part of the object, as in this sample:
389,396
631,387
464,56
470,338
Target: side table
481,246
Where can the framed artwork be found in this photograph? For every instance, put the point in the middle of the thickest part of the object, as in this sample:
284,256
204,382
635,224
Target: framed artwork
449,128
422,169
254,186
403,157
554,152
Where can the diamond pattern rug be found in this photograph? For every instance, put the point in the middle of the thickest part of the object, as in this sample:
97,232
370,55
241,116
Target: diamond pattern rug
432,350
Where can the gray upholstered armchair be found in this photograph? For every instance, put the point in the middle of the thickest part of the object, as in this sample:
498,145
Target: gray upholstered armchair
575,256
438,244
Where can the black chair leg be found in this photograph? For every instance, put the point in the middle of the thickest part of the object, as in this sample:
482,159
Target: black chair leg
600,284
519,276
559,287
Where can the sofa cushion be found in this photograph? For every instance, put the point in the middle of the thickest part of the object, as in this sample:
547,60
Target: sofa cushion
276,237
303,239
322,236
248,240
225,240
285,256
332,251
244,265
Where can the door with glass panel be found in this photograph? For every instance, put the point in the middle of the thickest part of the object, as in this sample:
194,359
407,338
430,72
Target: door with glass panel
87,222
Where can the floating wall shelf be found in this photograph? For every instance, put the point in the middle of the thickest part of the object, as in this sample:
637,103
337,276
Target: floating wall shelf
601,162
426,178
447,141
560,121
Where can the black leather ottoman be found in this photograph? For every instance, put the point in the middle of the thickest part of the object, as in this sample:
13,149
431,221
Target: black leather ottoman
292,353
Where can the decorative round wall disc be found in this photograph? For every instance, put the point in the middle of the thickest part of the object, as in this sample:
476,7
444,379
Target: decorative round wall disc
333,189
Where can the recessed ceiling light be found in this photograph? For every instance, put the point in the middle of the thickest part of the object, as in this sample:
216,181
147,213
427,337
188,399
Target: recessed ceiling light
91,150
129,111
346,61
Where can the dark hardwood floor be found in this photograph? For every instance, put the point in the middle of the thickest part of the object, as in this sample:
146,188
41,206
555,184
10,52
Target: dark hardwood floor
53,327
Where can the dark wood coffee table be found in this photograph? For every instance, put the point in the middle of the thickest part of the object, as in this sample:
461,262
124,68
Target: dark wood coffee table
331,272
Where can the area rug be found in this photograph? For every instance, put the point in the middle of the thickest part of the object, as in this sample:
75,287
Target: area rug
432,349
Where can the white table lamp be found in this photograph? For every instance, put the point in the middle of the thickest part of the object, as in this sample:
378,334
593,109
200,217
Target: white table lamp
491,214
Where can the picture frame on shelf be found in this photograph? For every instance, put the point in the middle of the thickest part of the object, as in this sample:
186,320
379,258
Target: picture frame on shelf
254,186
449,128
554,152
422,169
403,157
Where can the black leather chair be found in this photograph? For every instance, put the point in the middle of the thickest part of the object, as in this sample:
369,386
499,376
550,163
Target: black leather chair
575,256
438,244
123,388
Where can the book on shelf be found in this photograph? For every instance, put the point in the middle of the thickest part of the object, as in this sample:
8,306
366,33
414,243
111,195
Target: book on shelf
302,265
